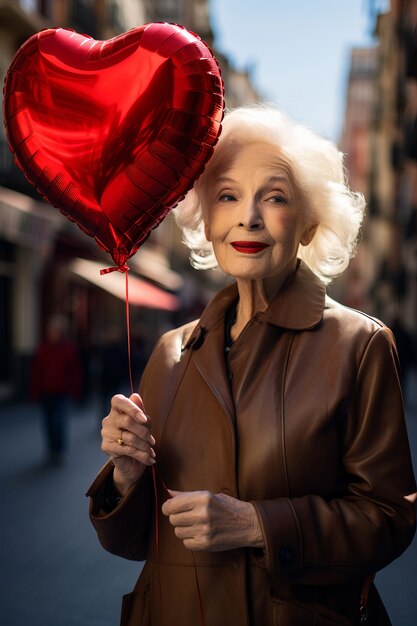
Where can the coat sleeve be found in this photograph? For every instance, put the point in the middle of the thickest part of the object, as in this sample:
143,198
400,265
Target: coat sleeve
125,530
311,540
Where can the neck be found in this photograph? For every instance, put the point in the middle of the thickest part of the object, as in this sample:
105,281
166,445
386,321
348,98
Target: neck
255,296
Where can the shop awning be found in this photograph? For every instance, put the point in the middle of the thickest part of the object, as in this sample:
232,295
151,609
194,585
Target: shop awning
151,262
141,293
27,222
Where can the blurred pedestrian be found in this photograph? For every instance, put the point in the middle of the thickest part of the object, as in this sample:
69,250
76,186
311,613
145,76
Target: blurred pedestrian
56,377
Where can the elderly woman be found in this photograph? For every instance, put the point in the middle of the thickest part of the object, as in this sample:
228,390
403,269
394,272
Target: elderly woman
273,427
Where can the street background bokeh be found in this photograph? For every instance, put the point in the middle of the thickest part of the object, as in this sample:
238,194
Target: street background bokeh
54,571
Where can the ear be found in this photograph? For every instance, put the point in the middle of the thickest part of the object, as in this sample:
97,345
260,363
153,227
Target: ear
308,234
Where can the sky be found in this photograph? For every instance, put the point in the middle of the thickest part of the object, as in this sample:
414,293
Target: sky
298,51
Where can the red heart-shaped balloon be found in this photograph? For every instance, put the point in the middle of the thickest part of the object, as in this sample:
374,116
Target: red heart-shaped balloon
115,132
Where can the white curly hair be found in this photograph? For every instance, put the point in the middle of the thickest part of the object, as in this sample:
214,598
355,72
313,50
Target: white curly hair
318,171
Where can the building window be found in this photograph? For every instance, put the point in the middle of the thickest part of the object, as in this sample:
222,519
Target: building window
168,10
113,17
46,8
29,5
83,17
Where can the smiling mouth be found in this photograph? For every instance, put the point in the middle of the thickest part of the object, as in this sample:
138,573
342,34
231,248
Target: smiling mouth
249,247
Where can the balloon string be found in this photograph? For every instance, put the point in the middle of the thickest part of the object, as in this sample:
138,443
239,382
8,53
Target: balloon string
129,352
200,600
116,268
156,512
155,490
125,270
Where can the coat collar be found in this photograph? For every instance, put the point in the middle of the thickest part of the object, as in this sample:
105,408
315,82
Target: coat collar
298,306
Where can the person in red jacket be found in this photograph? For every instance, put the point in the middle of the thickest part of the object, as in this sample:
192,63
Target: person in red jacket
55,379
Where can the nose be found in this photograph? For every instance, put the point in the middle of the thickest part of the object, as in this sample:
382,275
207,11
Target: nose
250,218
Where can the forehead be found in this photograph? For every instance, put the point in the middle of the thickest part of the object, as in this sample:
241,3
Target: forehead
259,158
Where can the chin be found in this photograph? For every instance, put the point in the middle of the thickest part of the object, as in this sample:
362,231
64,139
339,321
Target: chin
241,274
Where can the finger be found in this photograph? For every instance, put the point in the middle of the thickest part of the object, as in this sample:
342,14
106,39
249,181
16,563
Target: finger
142,442
123,438
192,541
115,450
184,520
136,399
137,455
173,493
184,532
128,430
121,443
195,545
125,406
179,504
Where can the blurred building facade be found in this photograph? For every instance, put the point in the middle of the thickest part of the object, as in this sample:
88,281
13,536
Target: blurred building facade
380,140
357,137
39,246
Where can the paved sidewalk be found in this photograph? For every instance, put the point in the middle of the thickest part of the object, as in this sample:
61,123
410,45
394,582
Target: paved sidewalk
397,583
54,572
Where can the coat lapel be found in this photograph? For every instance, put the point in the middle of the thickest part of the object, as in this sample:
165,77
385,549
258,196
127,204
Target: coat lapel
298,306
300,303
207,345
210,362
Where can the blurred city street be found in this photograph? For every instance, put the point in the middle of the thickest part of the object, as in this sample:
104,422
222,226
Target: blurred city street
54,571
102,136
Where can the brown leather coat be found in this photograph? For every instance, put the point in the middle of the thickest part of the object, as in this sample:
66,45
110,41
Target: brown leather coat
306,423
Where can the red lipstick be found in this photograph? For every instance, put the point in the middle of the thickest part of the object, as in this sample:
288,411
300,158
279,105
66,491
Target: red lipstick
249,247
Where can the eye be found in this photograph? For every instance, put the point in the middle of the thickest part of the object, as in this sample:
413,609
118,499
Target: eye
226,197
277,198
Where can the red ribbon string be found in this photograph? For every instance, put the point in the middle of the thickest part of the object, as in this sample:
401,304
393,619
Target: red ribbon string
155,491
125,270
156,512
200,600
129,352
116,268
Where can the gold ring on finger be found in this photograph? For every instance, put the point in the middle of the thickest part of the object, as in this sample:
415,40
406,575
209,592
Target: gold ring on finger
120,440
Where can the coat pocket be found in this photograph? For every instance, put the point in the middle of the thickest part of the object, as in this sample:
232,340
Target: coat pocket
136,610
290,614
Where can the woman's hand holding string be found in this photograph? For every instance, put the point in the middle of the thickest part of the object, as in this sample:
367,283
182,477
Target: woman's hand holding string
127,440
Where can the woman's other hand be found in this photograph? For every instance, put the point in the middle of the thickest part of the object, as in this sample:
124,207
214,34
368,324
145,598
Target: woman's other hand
213,522
127,440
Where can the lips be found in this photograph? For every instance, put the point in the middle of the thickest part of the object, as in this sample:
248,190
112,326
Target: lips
249,247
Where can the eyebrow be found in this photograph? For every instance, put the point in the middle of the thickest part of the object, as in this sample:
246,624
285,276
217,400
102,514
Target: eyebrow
279,179
272,179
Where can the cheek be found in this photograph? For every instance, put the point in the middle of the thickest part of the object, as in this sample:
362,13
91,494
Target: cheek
286,236
210,219
284,222
208,216
215,226
281,226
